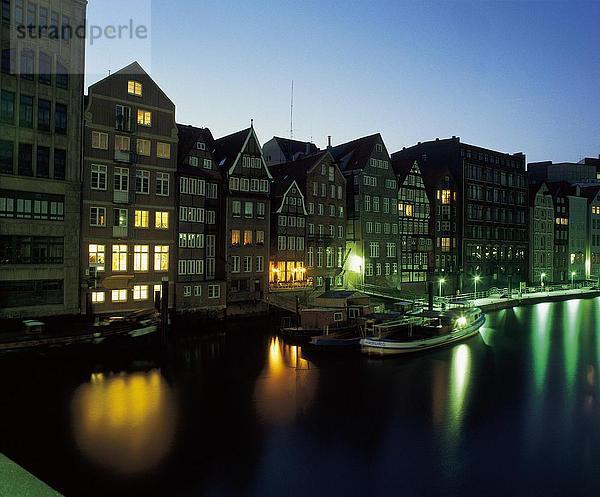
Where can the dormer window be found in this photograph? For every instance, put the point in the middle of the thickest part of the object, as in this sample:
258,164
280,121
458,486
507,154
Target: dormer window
134,88
201,146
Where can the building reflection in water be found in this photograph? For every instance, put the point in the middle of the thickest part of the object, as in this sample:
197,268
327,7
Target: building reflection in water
126,422
287,386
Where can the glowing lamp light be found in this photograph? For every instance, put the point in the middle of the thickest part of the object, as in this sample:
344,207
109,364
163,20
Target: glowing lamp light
461,322
355,264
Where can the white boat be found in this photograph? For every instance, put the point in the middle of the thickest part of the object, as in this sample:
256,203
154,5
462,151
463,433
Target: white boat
434,330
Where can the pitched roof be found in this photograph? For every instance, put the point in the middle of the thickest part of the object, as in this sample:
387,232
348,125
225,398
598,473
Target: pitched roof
355,154
590,192
293,149
227,148
189,135
286,172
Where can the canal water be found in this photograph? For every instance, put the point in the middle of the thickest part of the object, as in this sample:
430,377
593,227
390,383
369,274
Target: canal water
238,412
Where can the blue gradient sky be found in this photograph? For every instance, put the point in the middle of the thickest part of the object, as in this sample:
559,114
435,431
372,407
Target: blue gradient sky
513,76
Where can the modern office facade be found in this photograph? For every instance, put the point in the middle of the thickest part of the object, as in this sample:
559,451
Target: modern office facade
200,282
489,191
371,205
247,213
41,90
128,196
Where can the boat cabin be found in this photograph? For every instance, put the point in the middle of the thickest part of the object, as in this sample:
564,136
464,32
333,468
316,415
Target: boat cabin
356,304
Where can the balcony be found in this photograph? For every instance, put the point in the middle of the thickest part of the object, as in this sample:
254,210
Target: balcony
124,156
120,232
121,197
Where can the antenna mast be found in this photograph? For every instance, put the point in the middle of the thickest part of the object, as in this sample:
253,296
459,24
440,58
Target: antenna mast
292,113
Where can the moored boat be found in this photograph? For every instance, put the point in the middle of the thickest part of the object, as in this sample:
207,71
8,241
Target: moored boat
429,331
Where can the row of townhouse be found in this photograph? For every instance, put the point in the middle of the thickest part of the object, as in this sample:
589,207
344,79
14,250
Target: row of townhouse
565,221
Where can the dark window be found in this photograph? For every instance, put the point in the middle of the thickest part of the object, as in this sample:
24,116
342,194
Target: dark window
8,61
60,118
42,167
62,77
7,107
44,114
31,14
43,20
6,10
28,293
27,64
45,76
123,118
60,163
26,111
25,159
66,29
6,156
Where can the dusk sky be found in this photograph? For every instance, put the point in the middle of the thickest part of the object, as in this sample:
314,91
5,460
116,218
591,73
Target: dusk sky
512,76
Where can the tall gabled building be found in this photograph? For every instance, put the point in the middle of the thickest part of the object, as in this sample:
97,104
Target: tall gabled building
41,92
246,214
278,150
200,283
371,205
323,187
415,252
541,234
593,252
128,198
287,257
560,191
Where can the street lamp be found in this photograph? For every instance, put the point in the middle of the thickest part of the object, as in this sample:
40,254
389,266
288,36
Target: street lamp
542,276
573,273
442,281
476,279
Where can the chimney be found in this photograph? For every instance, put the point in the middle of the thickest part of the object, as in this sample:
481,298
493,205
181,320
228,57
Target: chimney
329,141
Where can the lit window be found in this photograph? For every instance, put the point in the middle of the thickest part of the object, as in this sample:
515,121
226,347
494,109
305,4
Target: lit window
122,143
444,196
99,140
119,295
140,257
163,150
235,238
134,88
119,258
143,147
161,258
445,244
162,221
96,256
97,216
98,297
247,237
144,118
141,219
140,292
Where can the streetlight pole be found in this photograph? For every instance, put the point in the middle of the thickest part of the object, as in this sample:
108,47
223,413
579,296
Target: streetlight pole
442,281
573,273
475,280
542,276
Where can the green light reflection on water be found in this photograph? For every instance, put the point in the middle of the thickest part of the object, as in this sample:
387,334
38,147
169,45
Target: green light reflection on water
571,328
540,345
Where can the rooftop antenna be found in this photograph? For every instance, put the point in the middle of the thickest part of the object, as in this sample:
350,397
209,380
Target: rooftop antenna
292,113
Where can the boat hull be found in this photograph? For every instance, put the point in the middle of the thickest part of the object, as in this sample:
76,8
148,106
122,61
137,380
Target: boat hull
375,346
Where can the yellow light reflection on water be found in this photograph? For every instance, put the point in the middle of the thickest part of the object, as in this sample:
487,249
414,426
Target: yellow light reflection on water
125,423
460,370
287,385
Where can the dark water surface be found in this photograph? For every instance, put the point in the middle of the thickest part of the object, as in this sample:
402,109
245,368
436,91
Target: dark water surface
514,411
